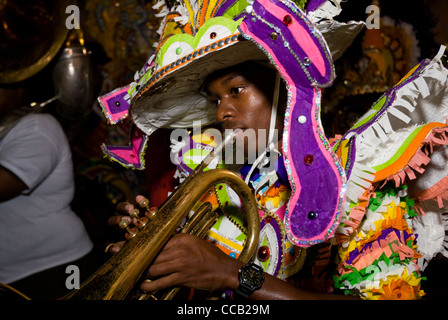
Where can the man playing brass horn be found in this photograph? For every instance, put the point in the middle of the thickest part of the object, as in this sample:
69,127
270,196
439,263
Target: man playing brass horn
353,208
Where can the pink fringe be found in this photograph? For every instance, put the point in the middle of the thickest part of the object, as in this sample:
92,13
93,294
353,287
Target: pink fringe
356,214
437,192
436,138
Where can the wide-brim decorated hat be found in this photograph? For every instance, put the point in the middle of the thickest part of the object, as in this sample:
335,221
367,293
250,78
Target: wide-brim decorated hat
199,38
196,41
171,95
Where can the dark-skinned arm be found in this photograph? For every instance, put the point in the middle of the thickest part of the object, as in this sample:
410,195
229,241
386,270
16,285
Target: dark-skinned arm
192,262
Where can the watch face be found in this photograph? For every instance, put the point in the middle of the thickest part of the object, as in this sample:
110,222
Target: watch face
252,277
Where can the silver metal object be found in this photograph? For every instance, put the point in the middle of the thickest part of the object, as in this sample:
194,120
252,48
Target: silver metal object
73,82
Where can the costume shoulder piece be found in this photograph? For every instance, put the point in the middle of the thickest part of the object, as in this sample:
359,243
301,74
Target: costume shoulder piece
402,142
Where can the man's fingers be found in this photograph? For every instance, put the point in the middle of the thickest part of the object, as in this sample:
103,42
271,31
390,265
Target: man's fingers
115,220
114,248
163,265
161,283
170,259
124,207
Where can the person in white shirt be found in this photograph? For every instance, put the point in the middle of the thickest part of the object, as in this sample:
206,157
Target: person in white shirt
40,235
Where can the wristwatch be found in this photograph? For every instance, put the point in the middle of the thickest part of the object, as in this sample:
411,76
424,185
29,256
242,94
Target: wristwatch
251,277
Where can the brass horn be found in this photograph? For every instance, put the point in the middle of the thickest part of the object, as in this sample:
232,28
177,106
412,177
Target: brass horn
31,34
117,277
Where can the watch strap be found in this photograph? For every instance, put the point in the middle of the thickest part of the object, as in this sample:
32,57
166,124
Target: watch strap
246,287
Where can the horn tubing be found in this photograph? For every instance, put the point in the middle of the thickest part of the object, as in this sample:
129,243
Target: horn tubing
120,273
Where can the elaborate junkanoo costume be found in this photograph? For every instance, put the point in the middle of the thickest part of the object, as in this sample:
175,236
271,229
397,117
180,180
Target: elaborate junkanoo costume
371,192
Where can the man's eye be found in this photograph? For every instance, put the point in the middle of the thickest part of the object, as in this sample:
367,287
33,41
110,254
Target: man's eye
236,90
216,102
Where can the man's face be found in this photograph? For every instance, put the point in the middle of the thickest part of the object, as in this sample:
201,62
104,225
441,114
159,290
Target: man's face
241,104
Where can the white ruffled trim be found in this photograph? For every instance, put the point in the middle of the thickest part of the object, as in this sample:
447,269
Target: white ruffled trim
431,229
327,11
399,117
361,178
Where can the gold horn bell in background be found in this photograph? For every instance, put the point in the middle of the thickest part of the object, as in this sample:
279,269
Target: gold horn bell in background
31,34
122,272
38,35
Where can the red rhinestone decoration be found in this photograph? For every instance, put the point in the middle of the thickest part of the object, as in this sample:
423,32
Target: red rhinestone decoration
263,253
308,159
287,20
213,35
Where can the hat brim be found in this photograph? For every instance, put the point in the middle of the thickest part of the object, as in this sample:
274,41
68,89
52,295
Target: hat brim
339,36
175,99
172,97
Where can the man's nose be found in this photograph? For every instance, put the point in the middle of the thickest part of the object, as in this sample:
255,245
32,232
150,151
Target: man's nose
226,111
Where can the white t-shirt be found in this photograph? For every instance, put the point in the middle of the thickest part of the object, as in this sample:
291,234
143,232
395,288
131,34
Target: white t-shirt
38,229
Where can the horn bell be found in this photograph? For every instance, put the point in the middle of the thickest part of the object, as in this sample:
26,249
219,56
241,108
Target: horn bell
31,34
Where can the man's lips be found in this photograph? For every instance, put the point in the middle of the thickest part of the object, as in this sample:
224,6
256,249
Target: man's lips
235,129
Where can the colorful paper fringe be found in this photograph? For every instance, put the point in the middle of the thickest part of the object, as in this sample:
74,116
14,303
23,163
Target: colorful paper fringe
379,261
